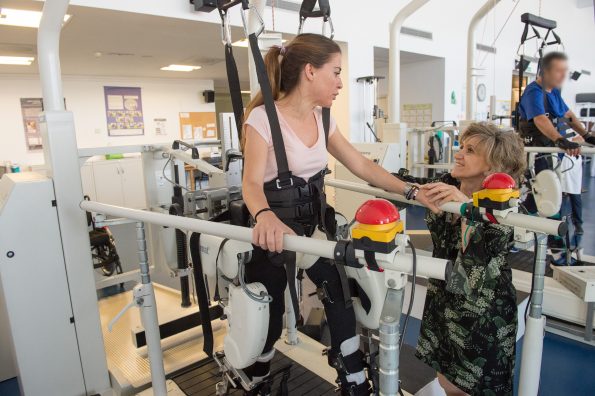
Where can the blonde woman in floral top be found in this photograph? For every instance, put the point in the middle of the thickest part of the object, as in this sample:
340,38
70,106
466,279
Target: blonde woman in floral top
468,331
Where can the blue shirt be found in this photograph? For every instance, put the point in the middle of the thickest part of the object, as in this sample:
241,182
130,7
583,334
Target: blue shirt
532,103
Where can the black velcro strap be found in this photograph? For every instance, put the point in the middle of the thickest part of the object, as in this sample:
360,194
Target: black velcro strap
201,293
217,297
234,88
345,364
271,110
371,261
290,269
326,123
307,9
356,291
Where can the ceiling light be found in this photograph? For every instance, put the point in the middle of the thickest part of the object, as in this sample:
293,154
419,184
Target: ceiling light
22,18
181,68
241,43
246,92
244,43
16,60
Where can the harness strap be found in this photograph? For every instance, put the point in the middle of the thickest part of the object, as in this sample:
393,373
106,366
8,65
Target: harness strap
201,292
234,88
291,272
326,124
216,296
284,175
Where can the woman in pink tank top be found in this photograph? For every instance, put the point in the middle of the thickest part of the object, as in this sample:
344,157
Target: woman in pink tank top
304,77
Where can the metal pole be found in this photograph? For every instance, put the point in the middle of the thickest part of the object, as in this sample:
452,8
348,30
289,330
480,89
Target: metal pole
531,223
547,150
394,59
48,54
470,108
427,267
145,298
534,327
389,342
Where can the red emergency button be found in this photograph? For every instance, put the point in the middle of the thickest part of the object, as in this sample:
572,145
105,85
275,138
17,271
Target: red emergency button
498,181
376,212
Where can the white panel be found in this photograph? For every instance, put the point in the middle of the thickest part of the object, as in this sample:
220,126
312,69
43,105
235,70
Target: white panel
40,313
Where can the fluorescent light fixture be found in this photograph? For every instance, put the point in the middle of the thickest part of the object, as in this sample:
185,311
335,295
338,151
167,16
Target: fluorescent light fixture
244,43
180,68
22,18
241,43
16,60
246,92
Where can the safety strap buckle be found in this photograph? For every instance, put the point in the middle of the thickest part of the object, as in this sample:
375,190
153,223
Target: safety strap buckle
323,293
224,8
284,183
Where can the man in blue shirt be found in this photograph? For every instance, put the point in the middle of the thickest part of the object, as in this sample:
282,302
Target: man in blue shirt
539,116
541,109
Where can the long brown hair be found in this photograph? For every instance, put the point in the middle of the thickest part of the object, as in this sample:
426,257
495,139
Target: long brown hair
284,66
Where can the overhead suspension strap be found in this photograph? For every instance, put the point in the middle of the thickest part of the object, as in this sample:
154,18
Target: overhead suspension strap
323,11
534,22
233,78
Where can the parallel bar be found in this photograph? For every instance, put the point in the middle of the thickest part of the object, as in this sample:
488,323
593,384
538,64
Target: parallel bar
311,246
426,267
547,150
531,223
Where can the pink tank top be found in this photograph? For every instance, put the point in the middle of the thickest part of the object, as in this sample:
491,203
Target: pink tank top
303,161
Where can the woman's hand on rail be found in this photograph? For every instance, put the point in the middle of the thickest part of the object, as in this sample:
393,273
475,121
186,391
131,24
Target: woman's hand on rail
268,232
423,198
440,193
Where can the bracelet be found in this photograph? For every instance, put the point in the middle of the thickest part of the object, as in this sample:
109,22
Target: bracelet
410,192
414,192
261,211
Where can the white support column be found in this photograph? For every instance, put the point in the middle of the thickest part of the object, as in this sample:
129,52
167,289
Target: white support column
61,159
394,59
470,89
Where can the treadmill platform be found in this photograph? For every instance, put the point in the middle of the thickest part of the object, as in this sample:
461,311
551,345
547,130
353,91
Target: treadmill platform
201,380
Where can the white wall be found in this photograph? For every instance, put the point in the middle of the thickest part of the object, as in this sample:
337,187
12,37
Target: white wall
85,98
364,26
421,82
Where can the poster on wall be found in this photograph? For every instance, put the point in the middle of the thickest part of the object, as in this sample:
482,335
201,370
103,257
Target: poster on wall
124,111
160,129
31,109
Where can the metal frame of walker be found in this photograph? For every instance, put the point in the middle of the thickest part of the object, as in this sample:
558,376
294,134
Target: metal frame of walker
535,322
389,325
61,157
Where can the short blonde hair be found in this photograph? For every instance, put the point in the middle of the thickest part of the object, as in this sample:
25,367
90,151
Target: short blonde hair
504,150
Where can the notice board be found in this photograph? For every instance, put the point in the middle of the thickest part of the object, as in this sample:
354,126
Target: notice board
198,125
